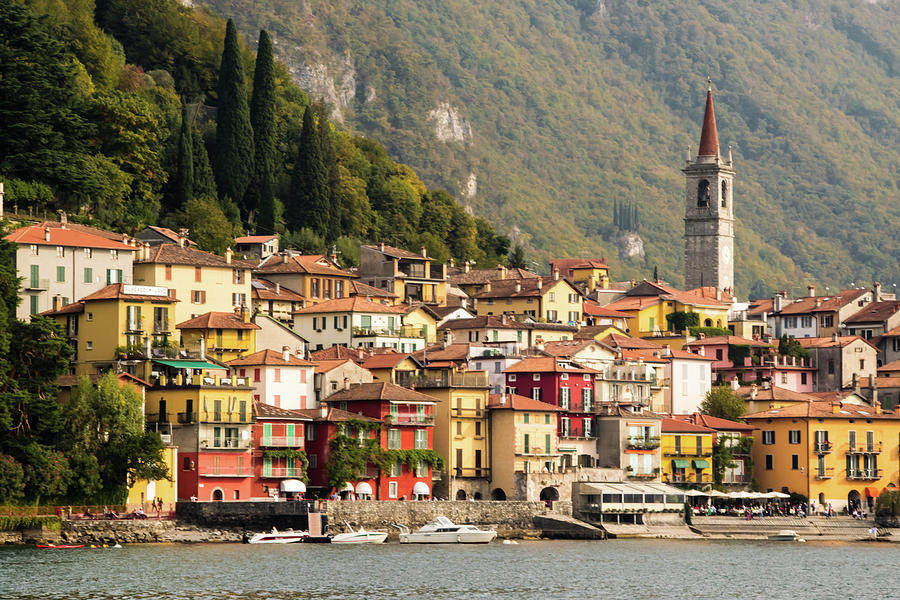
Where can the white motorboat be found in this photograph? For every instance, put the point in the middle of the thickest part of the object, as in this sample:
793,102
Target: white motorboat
360,536
786,535
288,536
443,531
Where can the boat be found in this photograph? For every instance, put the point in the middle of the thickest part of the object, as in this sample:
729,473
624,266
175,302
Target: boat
288,536
60,546
786,535
443,531
360,536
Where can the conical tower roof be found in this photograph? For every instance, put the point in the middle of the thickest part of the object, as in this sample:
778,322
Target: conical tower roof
709,137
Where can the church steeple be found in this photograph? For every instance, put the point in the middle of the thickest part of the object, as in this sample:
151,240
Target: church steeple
709,137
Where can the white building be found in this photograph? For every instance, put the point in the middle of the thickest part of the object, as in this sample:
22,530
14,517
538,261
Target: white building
278,379
690,379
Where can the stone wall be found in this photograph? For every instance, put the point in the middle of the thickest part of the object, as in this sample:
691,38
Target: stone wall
245,515
111,532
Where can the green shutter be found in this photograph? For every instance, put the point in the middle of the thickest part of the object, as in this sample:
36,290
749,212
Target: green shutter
35,276
527,444
267,433
267,466
547,444
60,274
35,307
88,275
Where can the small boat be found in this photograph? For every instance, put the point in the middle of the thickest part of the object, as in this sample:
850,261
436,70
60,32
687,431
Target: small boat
288,536
786,535
359,537
61,546
443,531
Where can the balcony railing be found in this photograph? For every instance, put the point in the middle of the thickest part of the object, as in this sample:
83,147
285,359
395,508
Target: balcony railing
161,327
38,284
643,475
224,443
223,416
736,479
224,471
157,417
471,472
825,473
409,419
874,448
281,441
469,379
471,413
404,331
824,447
643,443
864,474
186,418
688,478
685,452
276,472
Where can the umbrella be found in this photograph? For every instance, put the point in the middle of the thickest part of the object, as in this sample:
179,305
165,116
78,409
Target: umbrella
779,495
744,495
693,493
718,494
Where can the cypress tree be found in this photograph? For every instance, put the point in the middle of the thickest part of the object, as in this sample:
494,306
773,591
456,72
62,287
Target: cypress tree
308,203
184,175
204,180
262,119
333,196
234,137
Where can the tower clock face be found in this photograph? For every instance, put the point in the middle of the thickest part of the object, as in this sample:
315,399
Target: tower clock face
726,255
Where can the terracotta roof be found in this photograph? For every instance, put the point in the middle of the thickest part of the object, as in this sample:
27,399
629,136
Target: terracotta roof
269,357
823,410
672,353
443,311
763,305
397,252
115,291
263,289
173,254
774,393
358,288
104,233
565,266
566,348
890,367
254,239
267,411
828,342
876,312
388,360
169,234
517,402
589,307
353,304
477,276
379,390
341,353
709,137
437,352
716,423
506,288
623,341
68,309
324,366
895,332
216,320
811,304
633,303
653,356
334,414
549,364
655,289
288,263
679,426
731,340
35,234
484,322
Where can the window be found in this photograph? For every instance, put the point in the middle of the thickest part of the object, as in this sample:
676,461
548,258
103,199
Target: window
88,275
88,253
114,254
198,274
88,345
477,428
831,366
574,316
187,464
795,462
198,296
564,376
862,364
421,440
277,375
547,419
769,461
547,448
34,249
421,469
393,439
526,445
313,460
396,469
525,418
587,399
168,272
827,320
784,378
310,433
237,276
551,315
535,376
718,354
536,393
588,427
392,489
565,398
802,378
60,274
768,437
238,299
90,316
794,436
314,287
459,428
256,375
339,289
512,377
851,439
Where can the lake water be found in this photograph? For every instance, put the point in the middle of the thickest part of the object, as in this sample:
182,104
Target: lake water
629,569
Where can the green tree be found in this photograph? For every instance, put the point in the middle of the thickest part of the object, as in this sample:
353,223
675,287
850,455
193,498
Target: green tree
308,203
788,346
184,175
204,179
210,227
517,259
333,179
262,119
12,480
722,402
234,136
305,240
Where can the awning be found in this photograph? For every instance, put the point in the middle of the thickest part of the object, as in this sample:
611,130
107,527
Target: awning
293,485
363,488
190,364
681,464
872,492
421,489
701,464
348,487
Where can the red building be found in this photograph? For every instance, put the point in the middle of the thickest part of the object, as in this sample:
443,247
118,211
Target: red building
408,418
569,386
278,440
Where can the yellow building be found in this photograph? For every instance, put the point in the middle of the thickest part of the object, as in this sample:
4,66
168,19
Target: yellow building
649,303
759,398
589,272
119,324
420,317
143,492
542,298
202,282
527,429
686,453
314,277
460,430
274,300
225,336
831,452
393,367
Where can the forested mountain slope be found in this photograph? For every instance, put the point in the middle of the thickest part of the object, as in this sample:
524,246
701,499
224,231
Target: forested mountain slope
563,108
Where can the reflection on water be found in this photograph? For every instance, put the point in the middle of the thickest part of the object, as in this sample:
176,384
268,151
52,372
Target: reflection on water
632,569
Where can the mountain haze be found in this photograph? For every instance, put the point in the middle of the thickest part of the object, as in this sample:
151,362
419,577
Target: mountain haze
542,115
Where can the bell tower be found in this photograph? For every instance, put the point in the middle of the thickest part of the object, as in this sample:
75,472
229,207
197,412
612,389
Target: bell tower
709,211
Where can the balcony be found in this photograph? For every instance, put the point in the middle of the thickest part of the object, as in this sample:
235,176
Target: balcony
640,443
467,413
824,473
823,447
187,418
643,476
736,479
865,474
224,443
874,448
225,471
161,327
38,284
472,379
688,478
685,452
410,419
470,472
279,472
156,417
281,441
404,331
225,416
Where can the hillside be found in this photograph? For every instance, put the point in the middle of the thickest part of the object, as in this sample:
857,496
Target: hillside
568,107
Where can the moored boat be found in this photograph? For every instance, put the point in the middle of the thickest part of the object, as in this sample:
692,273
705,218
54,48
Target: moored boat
360,537
61,546
288,536
786,535
444,531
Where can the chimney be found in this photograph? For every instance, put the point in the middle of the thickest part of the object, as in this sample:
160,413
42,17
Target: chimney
323,410
182,237
202,348
502,270
487,285
555,274
503,399
277,289
284,257
286,353
346,383
667,350
735,383
63,218
540,283
767,384
503,318
228,255
381,246
466,266
452,262
518,286
46,234
877,291
754,391
873,385
778,302
245,314
424,252
812,290
836,408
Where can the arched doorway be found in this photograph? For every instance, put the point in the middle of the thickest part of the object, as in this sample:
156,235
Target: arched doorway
549,495
218,495
498,494
476,496
853,502
707,323
461,494
822,500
